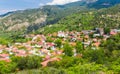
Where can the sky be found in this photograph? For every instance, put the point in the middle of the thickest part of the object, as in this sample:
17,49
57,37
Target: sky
13,5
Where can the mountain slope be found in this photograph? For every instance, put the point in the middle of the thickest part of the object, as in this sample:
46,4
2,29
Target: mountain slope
21,19
32,19
109,17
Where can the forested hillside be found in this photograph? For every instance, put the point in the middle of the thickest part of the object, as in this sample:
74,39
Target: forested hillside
33,19
107,17
28,20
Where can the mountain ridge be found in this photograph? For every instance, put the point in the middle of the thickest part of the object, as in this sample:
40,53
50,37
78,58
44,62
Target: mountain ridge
102,18
51,14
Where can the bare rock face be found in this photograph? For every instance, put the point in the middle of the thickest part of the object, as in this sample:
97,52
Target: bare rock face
26,24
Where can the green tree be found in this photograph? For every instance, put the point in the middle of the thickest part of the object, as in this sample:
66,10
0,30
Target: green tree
29,62
58,42
97,56
106,30
33,62
6,67
68,49
113,43
79,47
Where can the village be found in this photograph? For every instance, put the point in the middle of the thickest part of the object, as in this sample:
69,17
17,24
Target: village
39,45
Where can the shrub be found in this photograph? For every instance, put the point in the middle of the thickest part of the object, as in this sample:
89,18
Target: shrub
7,67
29,62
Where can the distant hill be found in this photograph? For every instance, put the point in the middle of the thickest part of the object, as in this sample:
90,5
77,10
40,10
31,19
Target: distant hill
103,3
3,15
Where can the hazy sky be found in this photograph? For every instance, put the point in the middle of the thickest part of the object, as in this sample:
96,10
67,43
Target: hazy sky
12,5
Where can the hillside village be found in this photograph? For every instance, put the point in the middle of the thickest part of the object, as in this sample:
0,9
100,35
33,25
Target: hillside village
40,45
77,37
